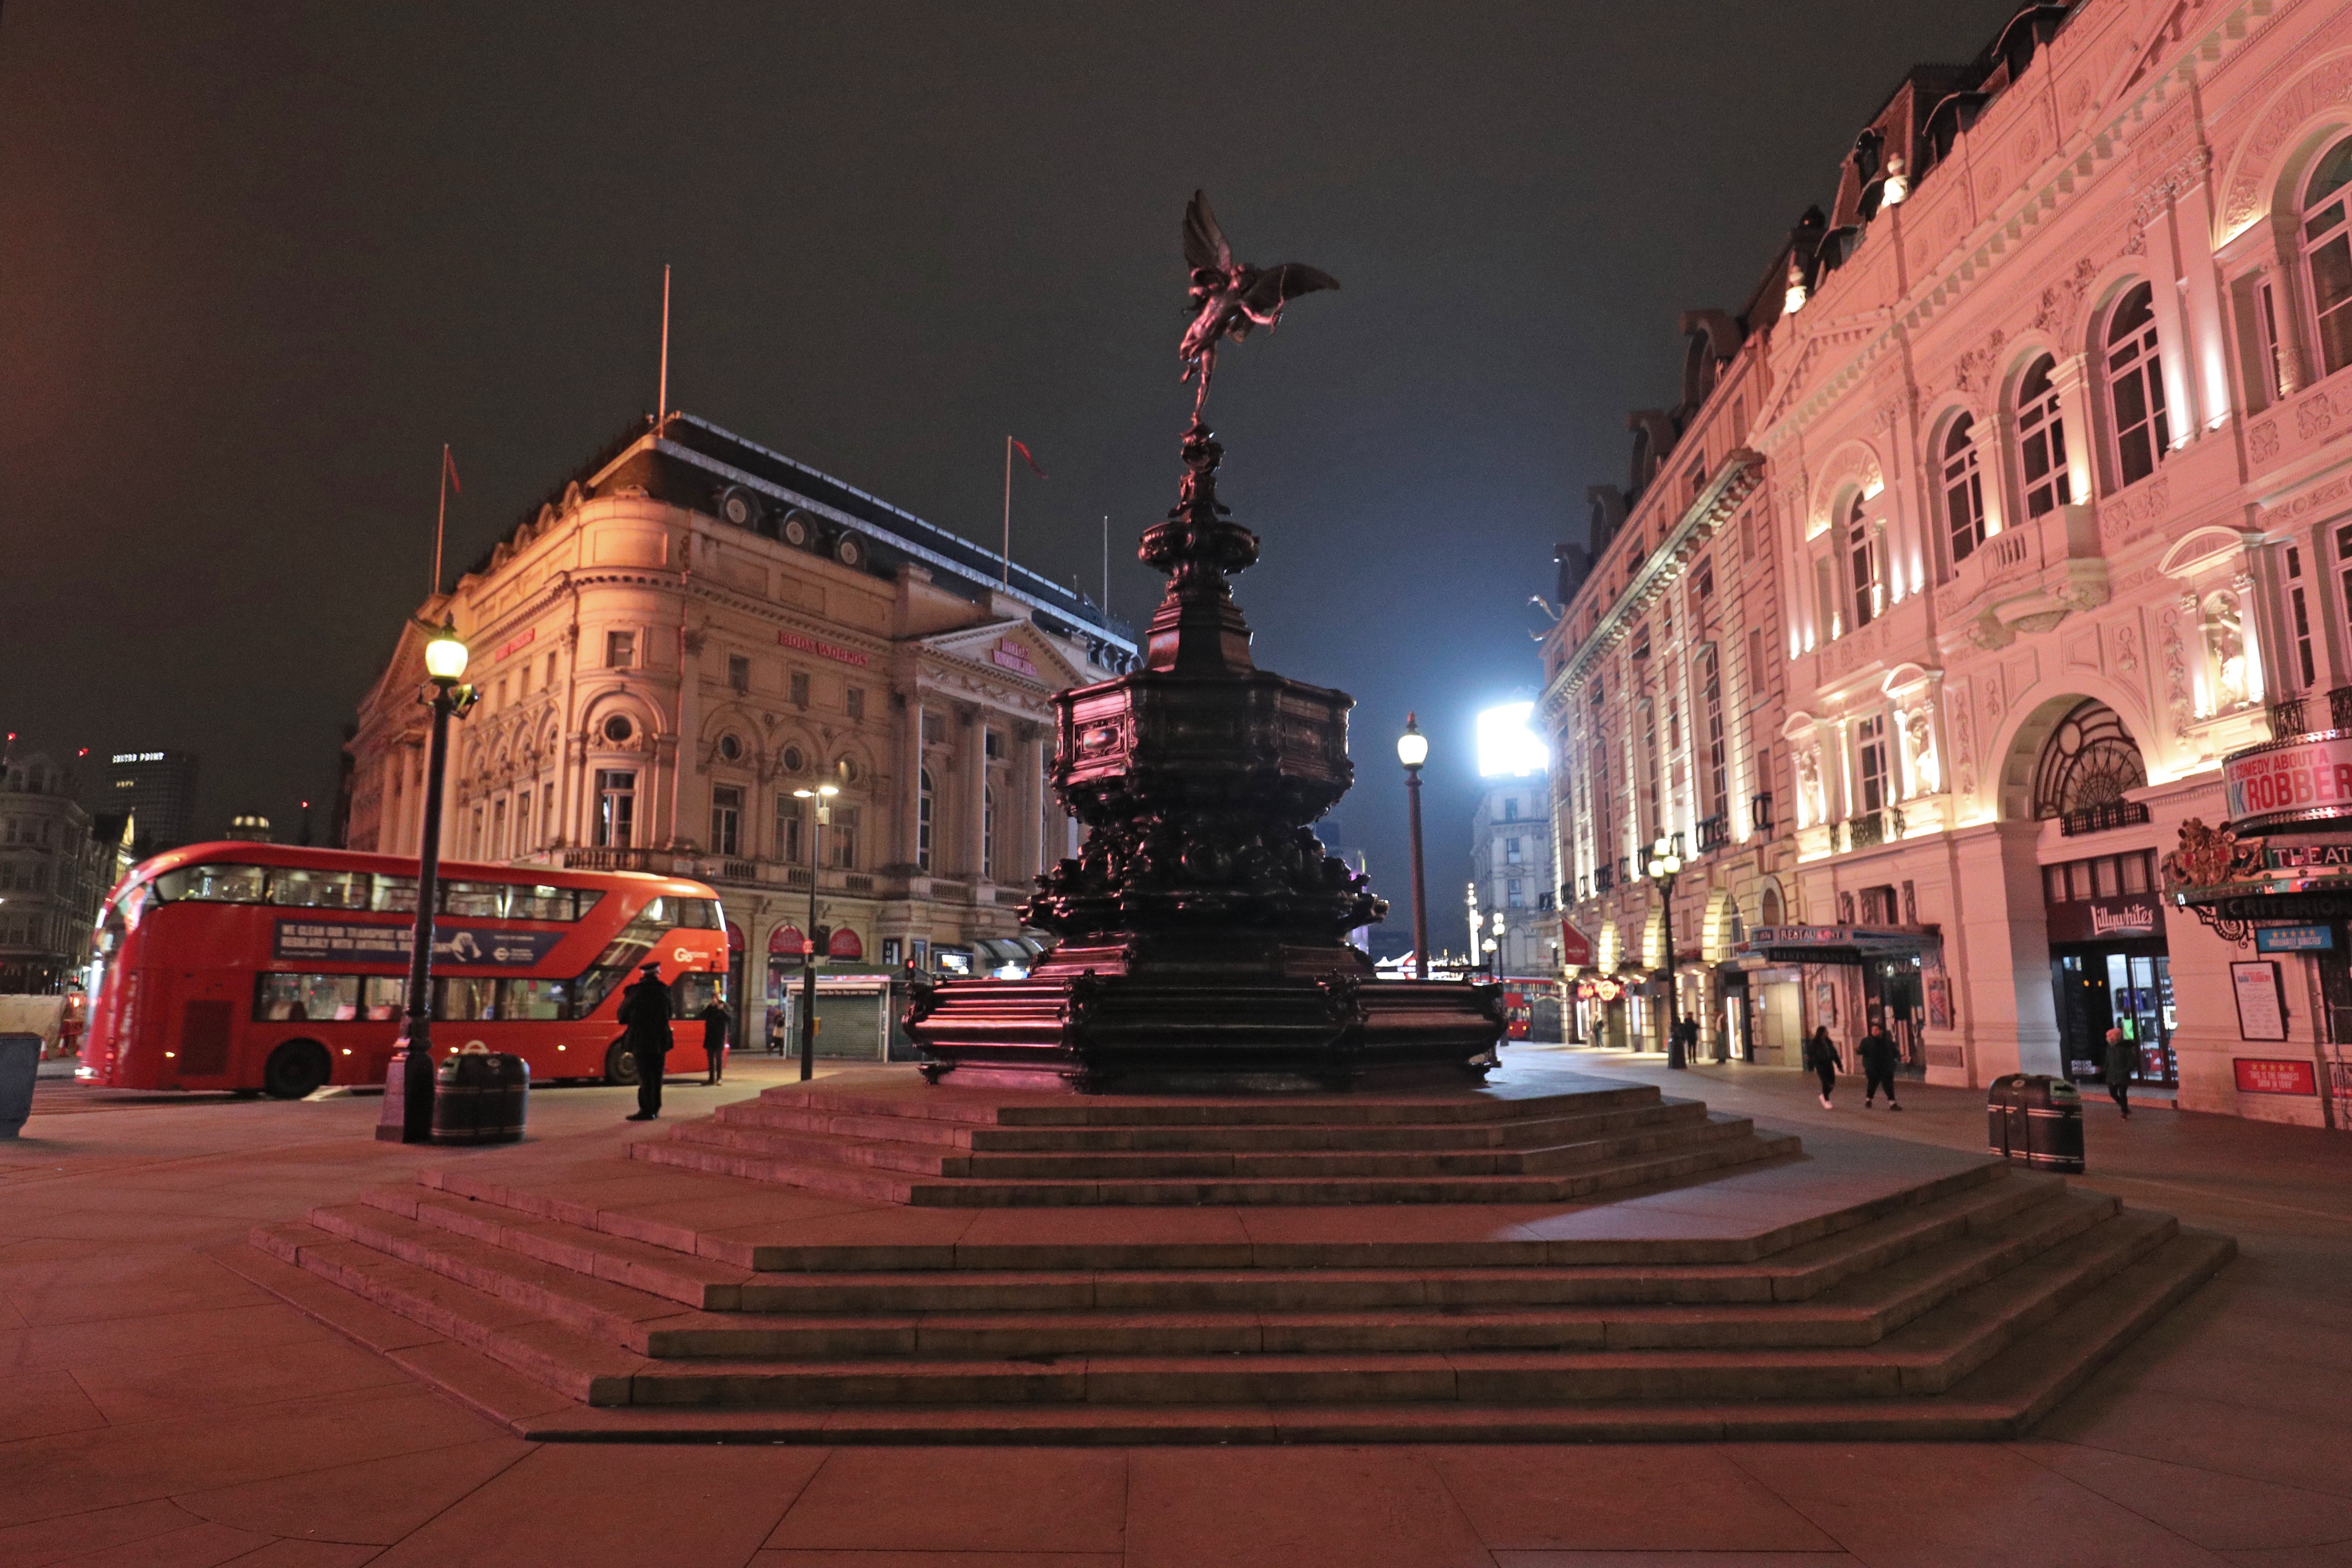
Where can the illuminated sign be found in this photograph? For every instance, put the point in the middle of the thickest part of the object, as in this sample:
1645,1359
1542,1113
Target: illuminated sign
2300,780
1010,655
516,643
2294,939
138,756
822,649
1507,747
2261,1076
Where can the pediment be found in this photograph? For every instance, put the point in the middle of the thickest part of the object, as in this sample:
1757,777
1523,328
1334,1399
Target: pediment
2201,550
1009,649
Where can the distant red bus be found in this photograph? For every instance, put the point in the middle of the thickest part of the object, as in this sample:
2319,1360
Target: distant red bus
269,968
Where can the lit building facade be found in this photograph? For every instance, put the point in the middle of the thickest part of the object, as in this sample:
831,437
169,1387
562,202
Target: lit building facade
57,863
159,789
1511,849
2049,417
695,628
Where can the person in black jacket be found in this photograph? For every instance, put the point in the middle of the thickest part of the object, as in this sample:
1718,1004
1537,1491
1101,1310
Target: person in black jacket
1821,1056
716,1027
2118,1071
1878,1056
645,1009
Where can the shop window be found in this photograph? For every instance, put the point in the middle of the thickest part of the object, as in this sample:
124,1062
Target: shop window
2041,440
2136,387
1964,514
2328,256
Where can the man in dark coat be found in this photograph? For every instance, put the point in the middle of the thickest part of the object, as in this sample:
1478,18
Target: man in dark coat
645,1009
2121,1060
1878,1056
715,1029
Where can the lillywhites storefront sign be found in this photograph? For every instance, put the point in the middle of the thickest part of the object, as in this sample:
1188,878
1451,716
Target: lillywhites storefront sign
2308,780
2107,919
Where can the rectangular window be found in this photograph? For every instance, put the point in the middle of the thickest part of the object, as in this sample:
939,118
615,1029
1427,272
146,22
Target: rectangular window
787,843
2299,616
1719,746
1870,748
1825,598
1515,893
1511,850
1510,808
739,672
800,688
616,808
539,999
2107,877
524,839
502,695
1862,555
550,684
2136,872
841,838
993,745
935,729
306,998
620,649
499,828
854,701
547,810
726,819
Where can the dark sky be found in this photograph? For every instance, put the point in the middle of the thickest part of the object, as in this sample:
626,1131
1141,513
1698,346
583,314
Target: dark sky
258,261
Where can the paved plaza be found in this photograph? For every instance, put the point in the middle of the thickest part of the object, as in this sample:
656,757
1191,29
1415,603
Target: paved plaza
159,1409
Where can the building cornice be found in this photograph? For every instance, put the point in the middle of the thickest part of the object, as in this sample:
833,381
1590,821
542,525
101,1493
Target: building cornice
1741,471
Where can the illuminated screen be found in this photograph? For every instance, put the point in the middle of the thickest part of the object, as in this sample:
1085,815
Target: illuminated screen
1506,746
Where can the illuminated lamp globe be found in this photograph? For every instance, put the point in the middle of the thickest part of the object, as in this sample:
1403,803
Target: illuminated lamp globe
1413,746
446,655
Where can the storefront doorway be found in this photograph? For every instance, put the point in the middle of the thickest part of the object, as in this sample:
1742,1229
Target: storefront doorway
2109,964
1891,999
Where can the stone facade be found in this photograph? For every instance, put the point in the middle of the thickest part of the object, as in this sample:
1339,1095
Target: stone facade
1511,876
2045,420
697,627
57,863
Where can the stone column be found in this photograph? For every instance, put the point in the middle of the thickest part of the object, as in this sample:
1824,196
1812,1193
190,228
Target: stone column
1030,798
972,733
909,708
1998,955
2070,376
2183,395
2208,331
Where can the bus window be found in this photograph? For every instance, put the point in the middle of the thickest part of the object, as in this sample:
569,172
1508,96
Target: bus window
211,884
690,994
476,901
395,894
465,999
699,914
385,996
535,998
313,890
539,903
306,998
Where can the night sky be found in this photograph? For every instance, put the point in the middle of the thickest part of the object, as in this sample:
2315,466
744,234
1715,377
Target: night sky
258,261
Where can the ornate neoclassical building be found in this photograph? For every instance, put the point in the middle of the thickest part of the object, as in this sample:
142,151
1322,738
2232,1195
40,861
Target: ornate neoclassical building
696,626
2047,417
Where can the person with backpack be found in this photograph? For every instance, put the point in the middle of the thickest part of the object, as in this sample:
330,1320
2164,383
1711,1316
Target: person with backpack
1821,1056
1878,1056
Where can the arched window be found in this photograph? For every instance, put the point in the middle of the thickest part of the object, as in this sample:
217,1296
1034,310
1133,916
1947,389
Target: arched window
988,832
1768,910
1862,563
923,808
2089,760
2327,253
1964,512
2041,440
2136,387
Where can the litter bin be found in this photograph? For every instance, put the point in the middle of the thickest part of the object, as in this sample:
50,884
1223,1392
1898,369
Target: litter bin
20,1064
2036,1119
480,1097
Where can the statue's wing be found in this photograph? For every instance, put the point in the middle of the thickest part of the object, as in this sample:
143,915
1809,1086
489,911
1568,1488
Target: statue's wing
1205,242
1277,286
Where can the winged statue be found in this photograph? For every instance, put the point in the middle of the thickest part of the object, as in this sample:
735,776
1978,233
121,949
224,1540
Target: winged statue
1230,297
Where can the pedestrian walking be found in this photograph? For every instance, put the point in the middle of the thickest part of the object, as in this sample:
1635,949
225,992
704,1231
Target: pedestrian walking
645,1009
1878,1054
775,1029
2121,1060
716,1028
1821,1056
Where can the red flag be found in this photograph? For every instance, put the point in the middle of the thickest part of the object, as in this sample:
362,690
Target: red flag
1027,458
449,465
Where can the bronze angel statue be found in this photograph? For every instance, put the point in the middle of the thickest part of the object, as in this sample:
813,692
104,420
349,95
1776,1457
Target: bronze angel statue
1229,298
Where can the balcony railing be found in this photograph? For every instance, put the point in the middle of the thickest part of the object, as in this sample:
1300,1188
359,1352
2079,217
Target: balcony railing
2287,717
1714,833
1760,812
591,858
1603,880
2339,707
2113,813
1867,831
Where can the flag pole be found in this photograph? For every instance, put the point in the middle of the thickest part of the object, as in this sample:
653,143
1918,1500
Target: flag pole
661,399
1105,598
441,521
1007,556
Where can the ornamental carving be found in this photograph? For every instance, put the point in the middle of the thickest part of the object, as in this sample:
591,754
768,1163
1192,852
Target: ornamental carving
2263,442
2313,416
2326,85
2210,857
1974,371
2126,650
1964,747
2062,303
2138,510
2176,670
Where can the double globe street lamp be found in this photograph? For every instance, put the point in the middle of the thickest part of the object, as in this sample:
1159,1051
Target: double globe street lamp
446,657
1412,750
1664,865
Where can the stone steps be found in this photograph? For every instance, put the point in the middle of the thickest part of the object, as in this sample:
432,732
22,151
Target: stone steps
853,1172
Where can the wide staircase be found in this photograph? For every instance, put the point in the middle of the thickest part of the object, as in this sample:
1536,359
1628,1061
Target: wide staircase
941,1270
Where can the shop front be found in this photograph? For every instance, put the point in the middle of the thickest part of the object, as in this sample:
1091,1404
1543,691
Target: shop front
2110,964
1854,978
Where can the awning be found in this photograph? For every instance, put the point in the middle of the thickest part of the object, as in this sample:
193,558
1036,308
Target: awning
1836,945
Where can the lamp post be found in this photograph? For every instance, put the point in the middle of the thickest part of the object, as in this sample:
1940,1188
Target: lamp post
1500,928
1412,750
446,657
823,794
1664,864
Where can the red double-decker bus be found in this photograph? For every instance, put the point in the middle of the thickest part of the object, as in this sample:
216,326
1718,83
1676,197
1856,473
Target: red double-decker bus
272,968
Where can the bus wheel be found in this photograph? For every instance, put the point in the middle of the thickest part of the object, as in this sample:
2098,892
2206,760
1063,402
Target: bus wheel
296,1069
620,1064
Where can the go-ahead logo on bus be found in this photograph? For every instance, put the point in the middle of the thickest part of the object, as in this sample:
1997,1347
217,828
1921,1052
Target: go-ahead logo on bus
357,942
2308,781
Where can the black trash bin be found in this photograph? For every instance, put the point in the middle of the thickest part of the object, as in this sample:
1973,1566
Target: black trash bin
480,1097
2037,1119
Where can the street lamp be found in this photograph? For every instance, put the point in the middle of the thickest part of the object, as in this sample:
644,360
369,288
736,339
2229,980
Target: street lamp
823,794
1500,930
1664,864
1412,750
446,658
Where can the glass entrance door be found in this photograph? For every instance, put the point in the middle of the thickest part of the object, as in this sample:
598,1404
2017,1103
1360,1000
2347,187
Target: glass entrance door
2139,993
